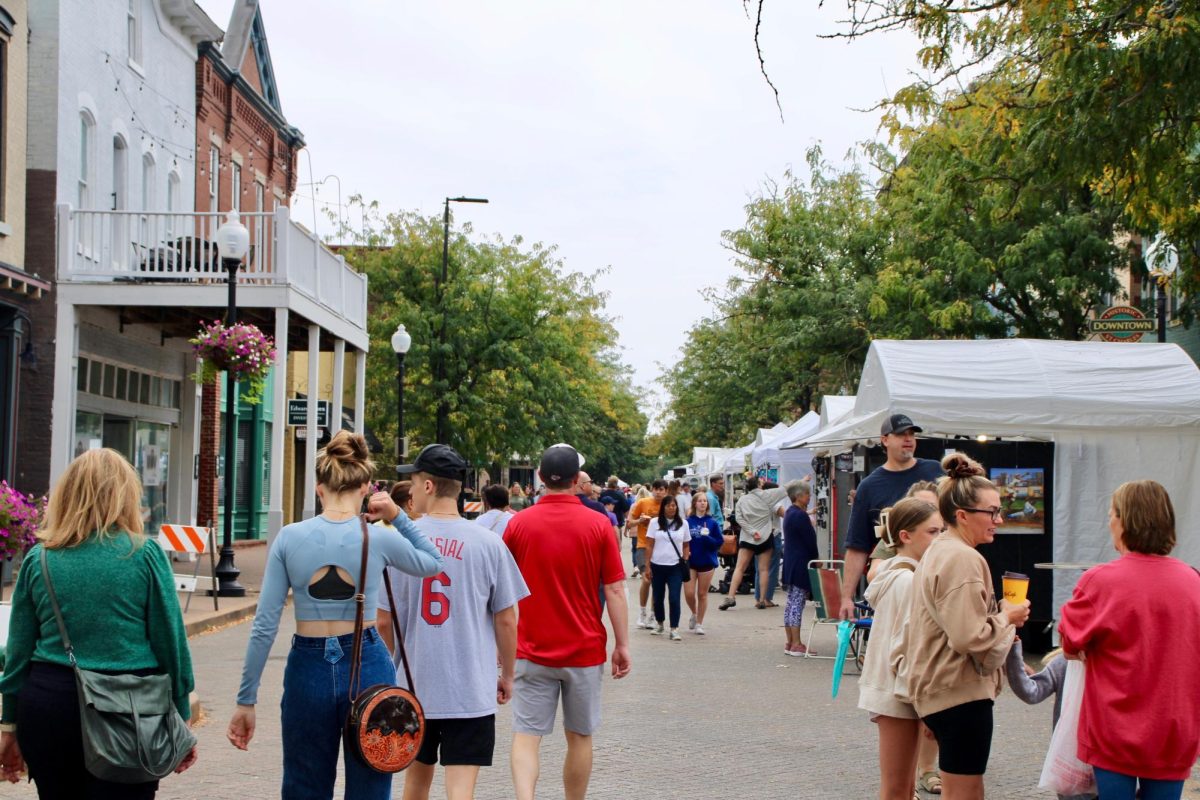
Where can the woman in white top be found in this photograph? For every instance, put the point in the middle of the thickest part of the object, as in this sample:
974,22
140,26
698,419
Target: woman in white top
910,527
668,562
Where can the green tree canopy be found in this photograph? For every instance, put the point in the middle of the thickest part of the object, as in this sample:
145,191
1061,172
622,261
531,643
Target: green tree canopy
530,355
1101,95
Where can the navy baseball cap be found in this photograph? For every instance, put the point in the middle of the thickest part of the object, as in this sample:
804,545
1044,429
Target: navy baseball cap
438,460
560,462
898,423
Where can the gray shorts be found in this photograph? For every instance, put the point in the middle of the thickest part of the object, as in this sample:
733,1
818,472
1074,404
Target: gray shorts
639,558
536,690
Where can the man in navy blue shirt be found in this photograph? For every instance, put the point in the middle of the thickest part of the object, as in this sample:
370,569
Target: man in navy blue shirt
879,490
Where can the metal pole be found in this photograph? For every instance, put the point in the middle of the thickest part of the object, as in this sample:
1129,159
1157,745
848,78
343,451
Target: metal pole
401,450
443,408
1162,309
227,573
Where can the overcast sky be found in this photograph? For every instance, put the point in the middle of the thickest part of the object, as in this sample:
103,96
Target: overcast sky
629,134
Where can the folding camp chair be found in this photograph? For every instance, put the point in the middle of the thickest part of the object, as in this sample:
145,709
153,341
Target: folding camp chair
826,579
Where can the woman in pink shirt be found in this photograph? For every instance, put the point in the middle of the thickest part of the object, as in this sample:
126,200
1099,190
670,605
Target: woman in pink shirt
1135,622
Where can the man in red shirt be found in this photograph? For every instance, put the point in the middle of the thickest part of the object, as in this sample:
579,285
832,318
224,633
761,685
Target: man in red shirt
564,550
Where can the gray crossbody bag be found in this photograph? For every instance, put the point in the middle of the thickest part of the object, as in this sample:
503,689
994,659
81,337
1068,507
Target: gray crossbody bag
132,732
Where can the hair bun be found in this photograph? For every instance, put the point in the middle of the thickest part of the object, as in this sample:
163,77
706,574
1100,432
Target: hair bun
347,447
959,466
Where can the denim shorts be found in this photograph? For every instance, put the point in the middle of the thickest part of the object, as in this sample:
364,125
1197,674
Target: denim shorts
536,691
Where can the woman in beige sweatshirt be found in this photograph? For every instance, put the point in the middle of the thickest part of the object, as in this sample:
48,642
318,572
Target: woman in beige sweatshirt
950,661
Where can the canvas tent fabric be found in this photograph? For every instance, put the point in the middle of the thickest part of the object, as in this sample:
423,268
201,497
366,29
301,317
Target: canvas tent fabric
834,407
793,464
735,462
1116,412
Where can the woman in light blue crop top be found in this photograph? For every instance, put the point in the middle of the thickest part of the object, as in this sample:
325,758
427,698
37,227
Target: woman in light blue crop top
319,561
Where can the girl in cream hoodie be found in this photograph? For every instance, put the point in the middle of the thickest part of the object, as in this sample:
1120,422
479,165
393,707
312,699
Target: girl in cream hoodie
909,527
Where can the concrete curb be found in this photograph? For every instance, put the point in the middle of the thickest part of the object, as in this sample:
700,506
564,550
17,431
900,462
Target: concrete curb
219,619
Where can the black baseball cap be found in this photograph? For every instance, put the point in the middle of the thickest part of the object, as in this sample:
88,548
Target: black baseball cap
898,423
438,460
560,462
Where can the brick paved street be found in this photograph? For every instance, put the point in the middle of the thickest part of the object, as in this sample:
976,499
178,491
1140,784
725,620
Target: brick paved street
765,729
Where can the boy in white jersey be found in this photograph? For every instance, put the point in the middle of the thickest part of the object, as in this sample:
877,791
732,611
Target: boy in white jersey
464,616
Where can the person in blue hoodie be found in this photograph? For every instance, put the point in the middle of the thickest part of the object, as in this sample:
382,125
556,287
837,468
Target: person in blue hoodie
706,541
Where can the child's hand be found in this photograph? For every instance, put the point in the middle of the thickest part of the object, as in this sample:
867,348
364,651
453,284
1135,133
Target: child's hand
1030,670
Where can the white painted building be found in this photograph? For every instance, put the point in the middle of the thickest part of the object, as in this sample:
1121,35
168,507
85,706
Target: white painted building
113,93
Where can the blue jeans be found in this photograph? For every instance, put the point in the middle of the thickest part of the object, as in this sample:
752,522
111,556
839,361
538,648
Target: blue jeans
1116,786
773,575
665,578
316,703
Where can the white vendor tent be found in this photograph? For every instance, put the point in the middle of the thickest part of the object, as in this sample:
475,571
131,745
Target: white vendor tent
707,460
792,464
834,407
1115,411
735,462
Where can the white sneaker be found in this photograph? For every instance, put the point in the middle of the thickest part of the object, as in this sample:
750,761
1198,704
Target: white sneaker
692,623
643,621
656,630
699,630
675,637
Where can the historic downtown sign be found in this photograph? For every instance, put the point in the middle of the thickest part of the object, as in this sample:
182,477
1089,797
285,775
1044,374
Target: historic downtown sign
1121,324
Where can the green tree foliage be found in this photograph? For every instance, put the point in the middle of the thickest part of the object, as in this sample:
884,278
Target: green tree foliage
794,324
1100,95
983,244
530,354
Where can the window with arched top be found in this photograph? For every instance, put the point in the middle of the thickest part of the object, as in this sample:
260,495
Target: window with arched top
85,196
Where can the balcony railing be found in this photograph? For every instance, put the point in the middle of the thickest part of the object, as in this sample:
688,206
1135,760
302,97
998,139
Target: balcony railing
180,248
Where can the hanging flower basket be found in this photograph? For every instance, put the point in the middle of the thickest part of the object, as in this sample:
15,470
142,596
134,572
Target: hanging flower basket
19,515
243,351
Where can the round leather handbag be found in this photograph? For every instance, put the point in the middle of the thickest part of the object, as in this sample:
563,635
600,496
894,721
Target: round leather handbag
386,724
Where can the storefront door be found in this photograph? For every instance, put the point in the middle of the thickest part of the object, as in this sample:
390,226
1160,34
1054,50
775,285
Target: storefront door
146,445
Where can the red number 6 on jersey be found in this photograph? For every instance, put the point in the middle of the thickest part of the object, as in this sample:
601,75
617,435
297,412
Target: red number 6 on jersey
429,598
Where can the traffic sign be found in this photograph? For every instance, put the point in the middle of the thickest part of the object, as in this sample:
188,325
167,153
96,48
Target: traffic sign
297,412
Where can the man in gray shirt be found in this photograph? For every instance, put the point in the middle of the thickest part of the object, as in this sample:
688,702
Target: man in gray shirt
464,617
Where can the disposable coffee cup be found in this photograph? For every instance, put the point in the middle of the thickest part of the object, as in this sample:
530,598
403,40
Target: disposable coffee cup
1016,587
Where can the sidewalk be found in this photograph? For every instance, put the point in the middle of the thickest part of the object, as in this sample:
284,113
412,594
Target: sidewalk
251,559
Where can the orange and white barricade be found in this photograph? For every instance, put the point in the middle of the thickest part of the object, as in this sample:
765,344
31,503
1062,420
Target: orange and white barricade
175,538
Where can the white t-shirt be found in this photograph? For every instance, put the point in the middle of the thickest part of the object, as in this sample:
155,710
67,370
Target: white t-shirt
495,520
447,619
685,504
664,552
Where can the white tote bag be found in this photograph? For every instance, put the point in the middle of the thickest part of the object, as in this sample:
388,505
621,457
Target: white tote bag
1063,772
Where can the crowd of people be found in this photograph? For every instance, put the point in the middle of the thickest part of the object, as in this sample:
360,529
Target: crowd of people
515,599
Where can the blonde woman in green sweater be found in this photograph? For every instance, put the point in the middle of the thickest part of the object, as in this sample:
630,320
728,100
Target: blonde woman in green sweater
117,596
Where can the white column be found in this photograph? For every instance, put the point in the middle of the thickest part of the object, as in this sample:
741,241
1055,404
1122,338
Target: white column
360,391
339,379
310,443
279,428
62,407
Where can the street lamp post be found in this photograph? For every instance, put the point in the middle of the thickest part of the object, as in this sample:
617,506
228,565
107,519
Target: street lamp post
1164,259
233,242
439,373
401,341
